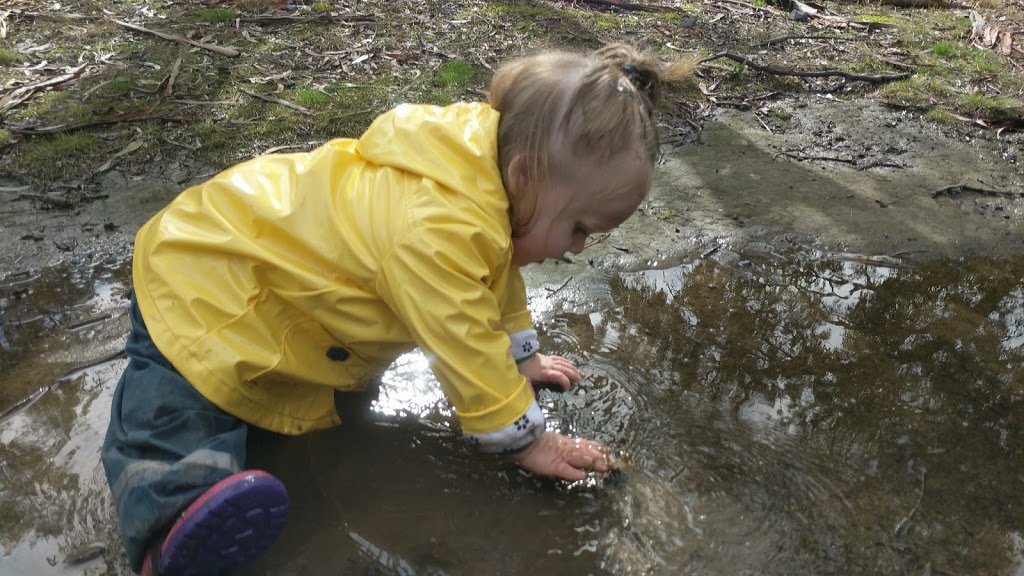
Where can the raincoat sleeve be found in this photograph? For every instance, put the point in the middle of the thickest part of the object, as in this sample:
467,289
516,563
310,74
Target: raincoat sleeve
445,282
517,321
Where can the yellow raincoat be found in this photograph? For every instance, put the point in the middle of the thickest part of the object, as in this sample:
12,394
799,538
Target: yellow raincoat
289,276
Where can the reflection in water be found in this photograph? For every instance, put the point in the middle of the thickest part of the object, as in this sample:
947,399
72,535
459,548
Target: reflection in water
61,330
800,414
785,411
806,414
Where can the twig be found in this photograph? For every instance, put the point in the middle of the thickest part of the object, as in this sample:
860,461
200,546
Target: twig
303,19
59,129
629,6
901,527
231,52
808,74
270,99
780,39
169,89
597,241
55,202
57,17
564,284
19,95
880,164
745,4
958,188
821,158
182,144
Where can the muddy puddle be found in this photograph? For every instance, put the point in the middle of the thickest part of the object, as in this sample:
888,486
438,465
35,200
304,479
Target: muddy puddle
785,412
814,365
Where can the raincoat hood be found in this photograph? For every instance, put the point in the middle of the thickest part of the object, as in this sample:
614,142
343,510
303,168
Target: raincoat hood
455,146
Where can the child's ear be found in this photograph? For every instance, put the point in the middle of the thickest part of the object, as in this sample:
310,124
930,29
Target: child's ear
518,176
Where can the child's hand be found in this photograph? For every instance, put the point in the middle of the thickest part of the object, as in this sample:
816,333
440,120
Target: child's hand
563,457
550,369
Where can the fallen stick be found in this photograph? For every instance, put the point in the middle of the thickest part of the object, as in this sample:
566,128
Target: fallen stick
801,157
780,39
272,100
630,6
808,74
957,188
19,95
181,40
169,88
28,131
303,19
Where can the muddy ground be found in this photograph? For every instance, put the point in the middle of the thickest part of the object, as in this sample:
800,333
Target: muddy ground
753,163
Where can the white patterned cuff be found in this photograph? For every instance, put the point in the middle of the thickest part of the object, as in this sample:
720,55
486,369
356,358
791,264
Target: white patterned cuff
524,344
516,435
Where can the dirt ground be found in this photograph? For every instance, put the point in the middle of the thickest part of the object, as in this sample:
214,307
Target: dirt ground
809,141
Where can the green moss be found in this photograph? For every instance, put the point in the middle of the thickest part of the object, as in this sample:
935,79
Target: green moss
9,57
606,22
321,7
5,137
215,15
310,97
54,158
502,8
123,84
455,73
875,18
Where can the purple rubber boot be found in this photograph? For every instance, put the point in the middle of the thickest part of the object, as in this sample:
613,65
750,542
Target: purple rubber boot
233,522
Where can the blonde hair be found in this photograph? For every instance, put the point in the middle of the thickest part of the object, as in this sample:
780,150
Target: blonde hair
593,106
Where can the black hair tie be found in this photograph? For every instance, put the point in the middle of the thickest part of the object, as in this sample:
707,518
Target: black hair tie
640,80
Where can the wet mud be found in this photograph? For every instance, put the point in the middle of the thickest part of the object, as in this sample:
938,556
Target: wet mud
815,367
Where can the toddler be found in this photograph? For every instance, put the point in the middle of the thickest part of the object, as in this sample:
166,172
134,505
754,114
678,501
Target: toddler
263,291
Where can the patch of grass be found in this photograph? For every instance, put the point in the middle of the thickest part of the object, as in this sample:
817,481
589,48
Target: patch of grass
941,117
53,158
875,18
122,84
5,137
944,49
455,73
255,6
981,61
502,8
311,97
9,57
992,107
910,92
321,7
606,22
215,15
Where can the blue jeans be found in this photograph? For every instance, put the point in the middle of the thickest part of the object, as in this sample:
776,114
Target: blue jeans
165,445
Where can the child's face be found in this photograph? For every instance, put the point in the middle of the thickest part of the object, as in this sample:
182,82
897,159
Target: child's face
596,198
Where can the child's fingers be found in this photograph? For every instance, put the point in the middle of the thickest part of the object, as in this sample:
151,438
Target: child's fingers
588,455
